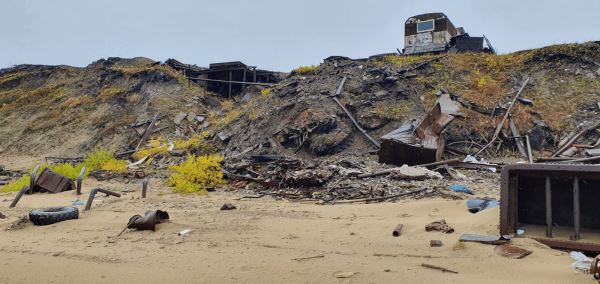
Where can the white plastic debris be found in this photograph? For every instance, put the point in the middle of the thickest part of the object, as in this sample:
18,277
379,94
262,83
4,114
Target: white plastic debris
184,232
582,263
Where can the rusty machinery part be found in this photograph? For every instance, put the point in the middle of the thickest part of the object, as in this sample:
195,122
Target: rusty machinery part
18,197
80,180
88,205
398,230
47,216
594,269
148,221
511,251
144,187
49,181
548,195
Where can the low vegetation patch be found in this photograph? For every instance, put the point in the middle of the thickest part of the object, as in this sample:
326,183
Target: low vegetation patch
102,159
197,174
306,70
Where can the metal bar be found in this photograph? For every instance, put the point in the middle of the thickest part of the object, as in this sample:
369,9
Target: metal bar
88,205
32,178
18,197
80,180
576,210
338,92
232,82
569,245
144,187
548,208
529,154
515,133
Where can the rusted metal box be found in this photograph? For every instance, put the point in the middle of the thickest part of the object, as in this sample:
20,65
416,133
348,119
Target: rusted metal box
556,204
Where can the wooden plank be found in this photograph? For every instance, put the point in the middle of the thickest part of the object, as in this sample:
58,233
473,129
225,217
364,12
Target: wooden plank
147,132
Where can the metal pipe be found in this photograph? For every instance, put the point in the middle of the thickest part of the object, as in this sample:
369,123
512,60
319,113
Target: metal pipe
548,208
144,187
576,210
18,197
529,154
32,178
80,180
93,192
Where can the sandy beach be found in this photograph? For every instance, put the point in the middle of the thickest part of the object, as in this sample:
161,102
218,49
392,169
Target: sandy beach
263,241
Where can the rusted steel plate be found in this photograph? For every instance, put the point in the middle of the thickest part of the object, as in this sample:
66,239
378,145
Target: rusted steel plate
52,182
421,144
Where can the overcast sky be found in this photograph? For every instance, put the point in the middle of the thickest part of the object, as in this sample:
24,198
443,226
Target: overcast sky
272,34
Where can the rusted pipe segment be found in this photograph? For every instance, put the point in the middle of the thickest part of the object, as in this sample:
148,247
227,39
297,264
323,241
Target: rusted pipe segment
32,177
18,197
398,231
548,207
576,211
144,187
80,180
594,269
93,192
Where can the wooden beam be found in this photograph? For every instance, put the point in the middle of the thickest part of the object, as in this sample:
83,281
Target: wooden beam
232,82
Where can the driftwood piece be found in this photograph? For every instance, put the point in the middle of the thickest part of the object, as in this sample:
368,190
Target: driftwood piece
147,132
389,171
438,268
574,138
381,198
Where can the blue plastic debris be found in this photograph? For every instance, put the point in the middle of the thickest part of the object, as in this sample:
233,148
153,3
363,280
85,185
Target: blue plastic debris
460,188
479,204
77,202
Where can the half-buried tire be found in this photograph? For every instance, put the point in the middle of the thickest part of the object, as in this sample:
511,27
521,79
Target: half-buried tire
47,216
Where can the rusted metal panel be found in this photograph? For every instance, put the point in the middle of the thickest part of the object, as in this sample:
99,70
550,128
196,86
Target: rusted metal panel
52,182
421,144
552,195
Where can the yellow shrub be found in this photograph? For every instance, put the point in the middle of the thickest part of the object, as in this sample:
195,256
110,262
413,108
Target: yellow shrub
102,159
153,150
16,185
305,70
196,174
160,146
117,166
65,169
68,170
265,92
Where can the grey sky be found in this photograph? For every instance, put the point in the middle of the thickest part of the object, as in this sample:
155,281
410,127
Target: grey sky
273,34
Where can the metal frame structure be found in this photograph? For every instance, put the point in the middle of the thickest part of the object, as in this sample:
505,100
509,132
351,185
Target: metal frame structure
520,179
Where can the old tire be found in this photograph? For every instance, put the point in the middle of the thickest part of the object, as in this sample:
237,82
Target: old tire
47,216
